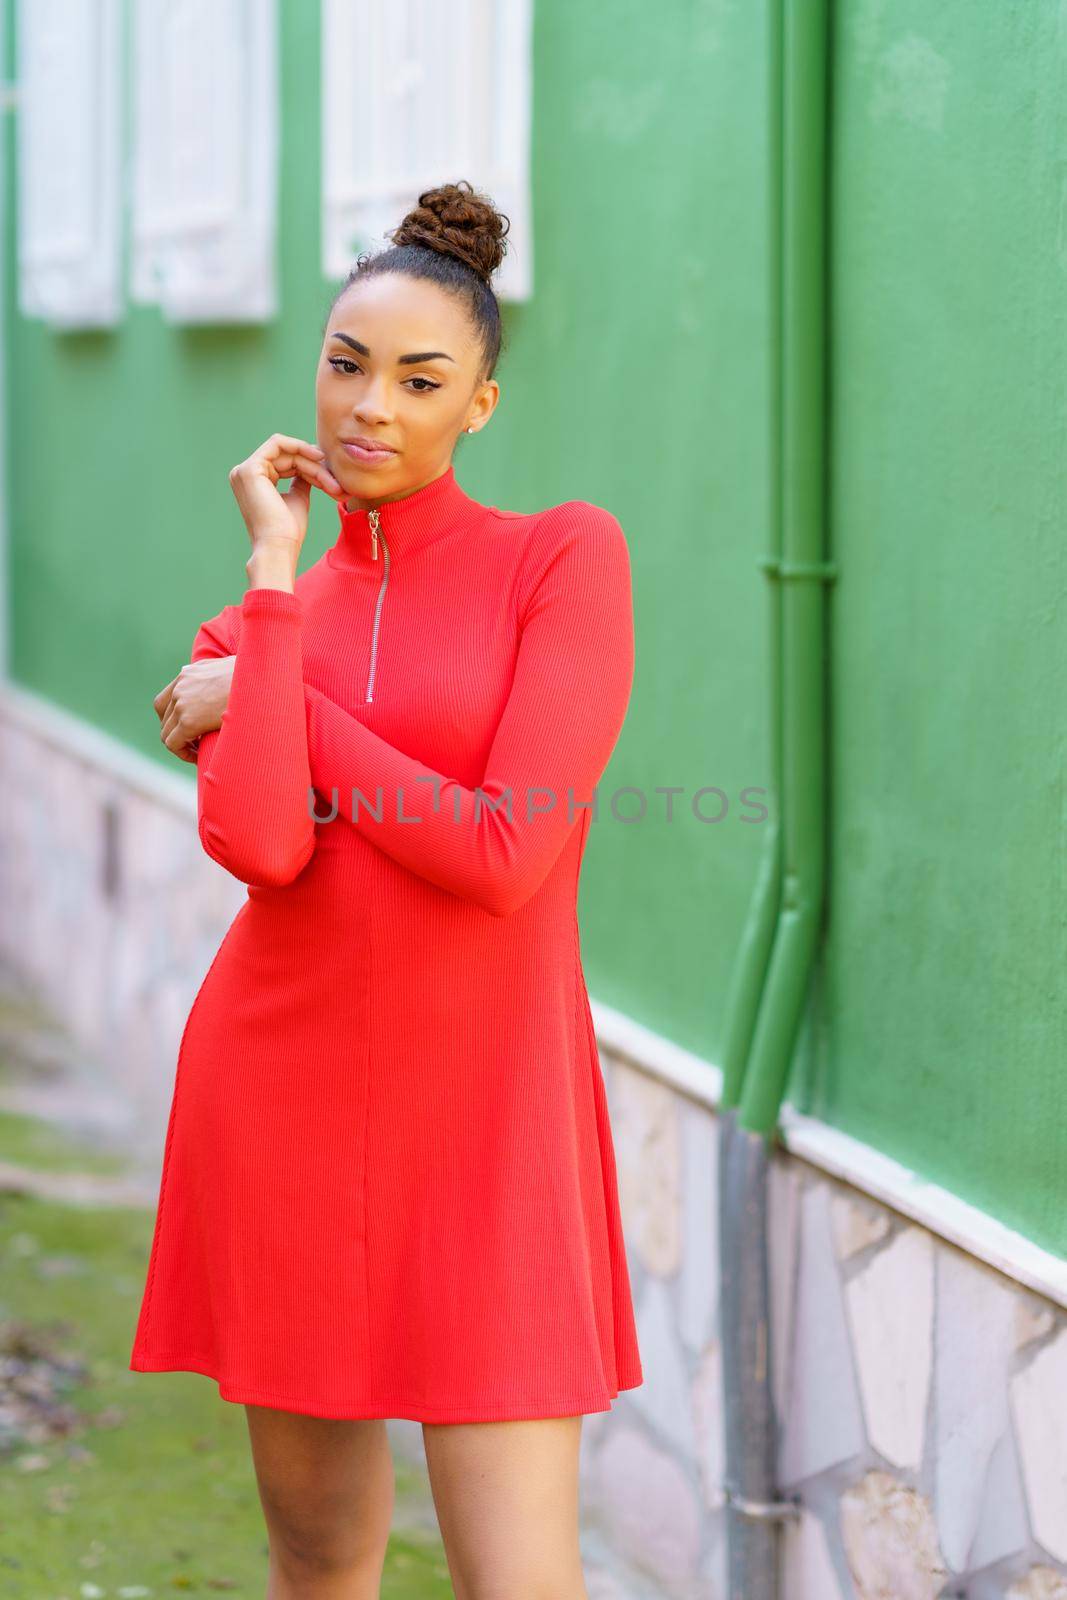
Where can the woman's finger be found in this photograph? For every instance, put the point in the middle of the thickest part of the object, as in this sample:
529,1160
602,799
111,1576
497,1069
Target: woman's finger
289,466
162,699
179,745
167,727
283,455
283,463
172,731
279,443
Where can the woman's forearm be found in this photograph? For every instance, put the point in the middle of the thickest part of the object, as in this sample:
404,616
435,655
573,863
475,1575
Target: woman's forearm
253,778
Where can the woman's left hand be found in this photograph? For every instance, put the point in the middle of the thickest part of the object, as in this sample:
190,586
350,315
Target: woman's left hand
192,704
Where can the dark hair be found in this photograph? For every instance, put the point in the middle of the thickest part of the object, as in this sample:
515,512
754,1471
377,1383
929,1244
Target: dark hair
455,237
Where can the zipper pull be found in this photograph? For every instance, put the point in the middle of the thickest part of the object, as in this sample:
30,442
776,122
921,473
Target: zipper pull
374,534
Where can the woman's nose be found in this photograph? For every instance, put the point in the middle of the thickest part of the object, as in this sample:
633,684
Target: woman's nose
372,402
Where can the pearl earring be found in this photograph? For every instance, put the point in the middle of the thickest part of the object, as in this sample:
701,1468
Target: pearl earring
470,430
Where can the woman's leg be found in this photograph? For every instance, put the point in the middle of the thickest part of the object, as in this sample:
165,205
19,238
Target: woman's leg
506,1495
327,1490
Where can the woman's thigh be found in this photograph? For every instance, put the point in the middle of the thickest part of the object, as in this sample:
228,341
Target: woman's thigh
506,1495
327,1488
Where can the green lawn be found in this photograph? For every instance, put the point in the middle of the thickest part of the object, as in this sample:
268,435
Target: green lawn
151,1491
29,1142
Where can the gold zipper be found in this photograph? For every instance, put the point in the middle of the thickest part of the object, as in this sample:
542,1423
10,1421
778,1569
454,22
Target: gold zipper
375,521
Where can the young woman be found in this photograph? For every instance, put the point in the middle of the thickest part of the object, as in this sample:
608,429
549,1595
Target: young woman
389,1186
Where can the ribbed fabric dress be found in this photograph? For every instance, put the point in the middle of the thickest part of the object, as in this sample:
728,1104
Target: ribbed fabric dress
389,1184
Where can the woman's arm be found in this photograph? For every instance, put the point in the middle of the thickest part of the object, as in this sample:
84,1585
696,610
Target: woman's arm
566,708
253,783
252,773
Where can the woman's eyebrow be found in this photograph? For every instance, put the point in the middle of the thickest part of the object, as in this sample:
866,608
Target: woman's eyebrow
419,355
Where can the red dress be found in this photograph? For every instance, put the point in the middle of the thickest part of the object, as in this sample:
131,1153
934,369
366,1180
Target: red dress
388,1184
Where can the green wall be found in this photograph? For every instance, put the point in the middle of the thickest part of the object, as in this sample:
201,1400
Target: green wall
637,377
944,1039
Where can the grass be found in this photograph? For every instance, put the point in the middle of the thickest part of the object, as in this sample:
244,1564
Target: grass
29,1142
151,1491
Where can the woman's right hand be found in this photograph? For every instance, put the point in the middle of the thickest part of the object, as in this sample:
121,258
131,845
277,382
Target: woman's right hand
274,518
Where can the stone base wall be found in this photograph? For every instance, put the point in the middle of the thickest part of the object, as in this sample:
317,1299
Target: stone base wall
921,1394
109,909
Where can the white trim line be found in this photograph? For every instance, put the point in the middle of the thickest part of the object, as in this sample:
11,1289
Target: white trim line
938,1209
650,1052
826,1147
78,739
844,1157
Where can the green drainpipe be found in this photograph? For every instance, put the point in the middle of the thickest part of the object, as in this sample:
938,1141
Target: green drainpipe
779,942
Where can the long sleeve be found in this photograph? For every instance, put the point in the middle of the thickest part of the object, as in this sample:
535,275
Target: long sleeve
253,779
494,845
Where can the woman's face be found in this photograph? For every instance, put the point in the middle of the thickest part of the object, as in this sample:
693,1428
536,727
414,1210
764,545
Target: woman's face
367,386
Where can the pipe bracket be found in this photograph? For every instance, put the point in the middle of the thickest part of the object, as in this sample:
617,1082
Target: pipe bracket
763,1510
776,568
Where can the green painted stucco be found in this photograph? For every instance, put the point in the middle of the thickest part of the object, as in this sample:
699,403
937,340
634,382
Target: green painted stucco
944,1039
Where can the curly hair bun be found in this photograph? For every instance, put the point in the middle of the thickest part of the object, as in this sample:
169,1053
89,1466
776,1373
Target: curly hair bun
458,221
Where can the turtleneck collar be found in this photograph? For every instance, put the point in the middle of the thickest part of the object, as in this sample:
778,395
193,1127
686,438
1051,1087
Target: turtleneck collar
405,525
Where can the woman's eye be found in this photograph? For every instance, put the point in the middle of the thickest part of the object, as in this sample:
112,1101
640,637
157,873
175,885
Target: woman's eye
343,364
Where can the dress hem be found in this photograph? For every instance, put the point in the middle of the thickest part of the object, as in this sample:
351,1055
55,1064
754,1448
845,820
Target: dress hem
386,1409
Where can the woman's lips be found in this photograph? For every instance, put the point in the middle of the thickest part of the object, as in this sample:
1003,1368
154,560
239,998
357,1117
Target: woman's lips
369,457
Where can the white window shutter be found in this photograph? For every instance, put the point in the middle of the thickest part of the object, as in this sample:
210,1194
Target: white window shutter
206,135
68,136
417,93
